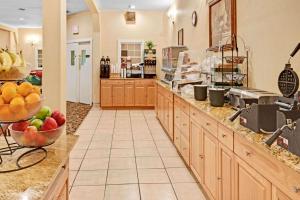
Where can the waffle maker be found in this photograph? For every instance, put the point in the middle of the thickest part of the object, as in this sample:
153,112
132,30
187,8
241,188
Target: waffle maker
262,116
288,133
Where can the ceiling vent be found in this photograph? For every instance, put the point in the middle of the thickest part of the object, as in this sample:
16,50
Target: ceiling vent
130,17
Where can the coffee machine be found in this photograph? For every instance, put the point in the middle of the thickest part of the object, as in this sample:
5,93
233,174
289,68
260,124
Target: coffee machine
105,67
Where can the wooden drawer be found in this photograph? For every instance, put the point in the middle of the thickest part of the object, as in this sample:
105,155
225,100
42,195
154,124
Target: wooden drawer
185,149
177,114
185,125
195,114
129,82
276,172
106,82
185,107
177,137
117,82
225,136
144,82
209,124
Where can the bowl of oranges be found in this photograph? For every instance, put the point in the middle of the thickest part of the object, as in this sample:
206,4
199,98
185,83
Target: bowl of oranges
19,102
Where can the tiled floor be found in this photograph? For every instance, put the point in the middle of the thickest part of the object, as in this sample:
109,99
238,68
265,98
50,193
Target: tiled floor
125,155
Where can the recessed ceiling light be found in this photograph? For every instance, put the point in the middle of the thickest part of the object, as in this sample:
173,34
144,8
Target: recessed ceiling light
131,6
21,19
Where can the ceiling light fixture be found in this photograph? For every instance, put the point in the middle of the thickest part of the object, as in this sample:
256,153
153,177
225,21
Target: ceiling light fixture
21,19
22,9
131,6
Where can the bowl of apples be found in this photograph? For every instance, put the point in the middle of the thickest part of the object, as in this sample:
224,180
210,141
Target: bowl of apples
42,130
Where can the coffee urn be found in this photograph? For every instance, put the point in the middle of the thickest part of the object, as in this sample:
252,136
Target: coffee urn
104,67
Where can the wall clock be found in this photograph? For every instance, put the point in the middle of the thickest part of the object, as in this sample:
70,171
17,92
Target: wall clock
194,18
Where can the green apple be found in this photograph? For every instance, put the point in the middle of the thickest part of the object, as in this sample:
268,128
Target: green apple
44,112
38,123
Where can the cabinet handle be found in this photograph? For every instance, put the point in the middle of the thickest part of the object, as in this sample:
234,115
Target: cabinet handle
248,153
194,114
207,124
223,135
64,167
219,178
201,156
296,189
184,124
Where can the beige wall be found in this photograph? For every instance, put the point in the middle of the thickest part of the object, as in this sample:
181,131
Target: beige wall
84,21
4,38
149,26
29,50
270,28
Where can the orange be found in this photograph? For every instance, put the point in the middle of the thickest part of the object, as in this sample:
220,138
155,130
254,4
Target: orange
24,89
36,89
1,100
8,93
32,98
16,104
21,114
8,84
5,113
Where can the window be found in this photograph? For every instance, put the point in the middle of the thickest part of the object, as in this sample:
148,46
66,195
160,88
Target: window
131,48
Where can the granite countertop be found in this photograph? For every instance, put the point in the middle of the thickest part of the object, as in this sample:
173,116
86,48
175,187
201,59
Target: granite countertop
32,183
221,114
119,78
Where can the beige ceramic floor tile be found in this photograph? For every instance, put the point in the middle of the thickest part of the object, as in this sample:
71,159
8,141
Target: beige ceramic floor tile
122,192
180,175
168,152
75,164
78,153
122,163
97,153
72,176
102,137
100,145
188,191
122,176
97,177
82,132
146,152
87,193
157,192
153,176
173,162
121,137
158,137
164,144
144,144
85,137
82,145
104,131
94,163
141,137
122,153
122,144
149,163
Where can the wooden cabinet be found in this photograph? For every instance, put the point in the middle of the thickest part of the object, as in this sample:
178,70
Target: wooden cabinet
171,119
118,95
210,164
106,95
150,95
225,173
196,150
277,194
129,95
140,95
249,184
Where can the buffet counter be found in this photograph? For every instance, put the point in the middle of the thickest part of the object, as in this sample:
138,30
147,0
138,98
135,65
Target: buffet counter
241,165
46,180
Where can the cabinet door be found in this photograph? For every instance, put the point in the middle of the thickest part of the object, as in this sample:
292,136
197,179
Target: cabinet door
278,195
166,114
210,164
249,184
177,137
140,95
118,95
151,96
171,120
106,95
226,173
129,95
185,149
160,104
197,155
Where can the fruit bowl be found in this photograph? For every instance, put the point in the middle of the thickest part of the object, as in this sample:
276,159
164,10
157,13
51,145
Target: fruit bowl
38,139
24,113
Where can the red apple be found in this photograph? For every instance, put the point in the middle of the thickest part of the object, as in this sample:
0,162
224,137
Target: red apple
20,126
30,134
49,124
59,117
41,139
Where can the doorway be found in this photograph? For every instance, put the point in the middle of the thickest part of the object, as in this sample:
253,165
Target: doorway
79,72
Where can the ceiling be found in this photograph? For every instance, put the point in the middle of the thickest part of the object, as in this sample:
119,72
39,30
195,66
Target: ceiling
139,4
32,16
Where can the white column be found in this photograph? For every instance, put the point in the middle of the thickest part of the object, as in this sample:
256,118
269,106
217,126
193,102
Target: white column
54,53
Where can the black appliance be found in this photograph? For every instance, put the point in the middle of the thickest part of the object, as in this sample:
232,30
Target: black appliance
105,67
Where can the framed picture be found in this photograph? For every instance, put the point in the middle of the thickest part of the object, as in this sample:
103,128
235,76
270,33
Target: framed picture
181,37
222,22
